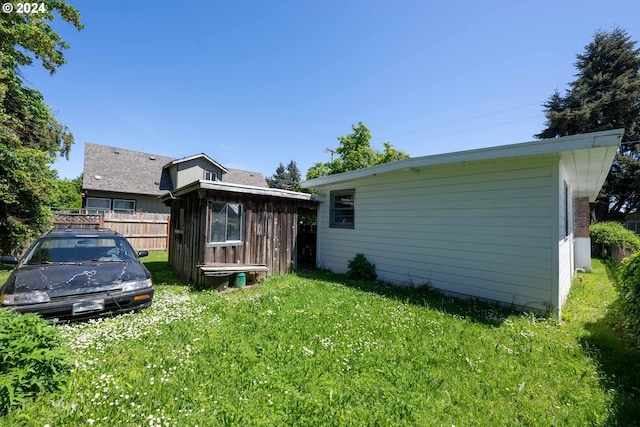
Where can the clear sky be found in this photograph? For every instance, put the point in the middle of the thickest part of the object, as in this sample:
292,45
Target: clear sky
256,83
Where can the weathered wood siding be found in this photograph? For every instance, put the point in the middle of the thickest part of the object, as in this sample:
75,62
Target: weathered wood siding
269,234
483,229
145,231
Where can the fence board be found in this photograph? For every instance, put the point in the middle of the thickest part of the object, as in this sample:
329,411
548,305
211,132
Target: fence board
145,231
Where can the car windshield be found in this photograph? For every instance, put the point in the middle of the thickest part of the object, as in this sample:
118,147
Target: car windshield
79,249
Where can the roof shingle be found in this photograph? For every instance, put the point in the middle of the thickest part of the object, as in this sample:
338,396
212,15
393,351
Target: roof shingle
126,171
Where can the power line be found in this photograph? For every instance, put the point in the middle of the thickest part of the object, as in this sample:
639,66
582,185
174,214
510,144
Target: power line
462,120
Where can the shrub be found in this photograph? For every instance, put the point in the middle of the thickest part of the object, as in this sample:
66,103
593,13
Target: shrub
628,304
613,233
33,359
361,269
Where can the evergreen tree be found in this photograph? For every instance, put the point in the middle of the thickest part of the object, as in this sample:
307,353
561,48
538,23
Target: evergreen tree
605,95
286,178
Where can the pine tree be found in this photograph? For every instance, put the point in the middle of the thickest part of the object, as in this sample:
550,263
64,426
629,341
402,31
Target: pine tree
605,95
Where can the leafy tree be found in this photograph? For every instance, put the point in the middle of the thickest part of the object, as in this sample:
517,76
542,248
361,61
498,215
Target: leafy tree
30,135
355,152
605,95
286,178
67,193
319,169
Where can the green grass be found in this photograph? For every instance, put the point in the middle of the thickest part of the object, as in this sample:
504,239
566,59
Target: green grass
315,349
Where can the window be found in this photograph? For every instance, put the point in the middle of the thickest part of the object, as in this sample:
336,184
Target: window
210,176
98,204
124,205
566,210
342,209
226,223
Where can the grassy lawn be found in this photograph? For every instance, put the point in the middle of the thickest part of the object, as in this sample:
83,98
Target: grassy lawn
316,350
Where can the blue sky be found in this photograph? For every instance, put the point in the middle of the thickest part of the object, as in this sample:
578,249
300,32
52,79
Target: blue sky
256,83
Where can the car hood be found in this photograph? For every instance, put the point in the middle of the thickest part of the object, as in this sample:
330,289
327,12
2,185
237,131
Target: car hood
64,279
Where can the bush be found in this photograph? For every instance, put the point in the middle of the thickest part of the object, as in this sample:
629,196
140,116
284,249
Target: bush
613,233
361,269
33,359
628,304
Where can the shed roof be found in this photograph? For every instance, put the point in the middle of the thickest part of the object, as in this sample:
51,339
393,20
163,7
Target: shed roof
229,187
587,159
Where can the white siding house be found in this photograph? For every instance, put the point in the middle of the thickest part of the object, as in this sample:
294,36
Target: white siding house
496,223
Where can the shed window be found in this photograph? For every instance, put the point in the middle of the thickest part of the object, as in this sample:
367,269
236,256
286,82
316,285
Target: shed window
226,223
342,209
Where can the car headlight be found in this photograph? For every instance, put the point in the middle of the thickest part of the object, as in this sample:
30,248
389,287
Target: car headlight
34,297
136,284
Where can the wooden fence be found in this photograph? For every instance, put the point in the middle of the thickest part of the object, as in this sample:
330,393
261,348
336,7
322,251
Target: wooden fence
145,231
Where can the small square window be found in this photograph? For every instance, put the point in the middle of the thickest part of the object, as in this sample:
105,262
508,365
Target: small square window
210,176
342,209
225,223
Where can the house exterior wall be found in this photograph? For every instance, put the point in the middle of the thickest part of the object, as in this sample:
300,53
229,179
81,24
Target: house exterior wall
193,170
485,229
565,233
144,203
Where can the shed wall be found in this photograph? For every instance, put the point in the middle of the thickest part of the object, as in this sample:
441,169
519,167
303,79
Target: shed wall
269,234
480,229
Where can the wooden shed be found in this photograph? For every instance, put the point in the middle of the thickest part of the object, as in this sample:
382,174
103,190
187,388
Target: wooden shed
220,228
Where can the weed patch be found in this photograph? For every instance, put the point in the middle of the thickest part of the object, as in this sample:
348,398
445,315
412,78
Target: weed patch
318,349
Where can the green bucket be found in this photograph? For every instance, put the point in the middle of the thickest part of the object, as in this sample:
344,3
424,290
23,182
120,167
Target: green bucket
241,280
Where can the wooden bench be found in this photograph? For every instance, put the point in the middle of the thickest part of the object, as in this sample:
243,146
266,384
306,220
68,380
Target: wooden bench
228,268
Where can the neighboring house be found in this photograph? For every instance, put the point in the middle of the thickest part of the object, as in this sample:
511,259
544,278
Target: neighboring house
219,228
119,180
508,223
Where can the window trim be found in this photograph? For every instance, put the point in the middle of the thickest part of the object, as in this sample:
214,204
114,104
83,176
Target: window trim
333,210
210,218
214,174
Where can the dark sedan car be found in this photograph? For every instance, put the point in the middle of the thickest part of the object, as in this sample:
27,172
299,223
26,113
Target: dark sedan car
74,274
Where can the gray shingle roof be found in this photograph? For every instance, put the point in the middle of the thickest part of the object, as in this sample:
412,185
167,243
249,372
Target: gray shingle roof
237,176
126,171
123,171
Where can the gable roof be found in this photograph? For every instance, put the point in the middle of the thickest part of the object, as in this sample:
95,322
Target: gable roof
196,156
587,159
237,176
125,171
120,170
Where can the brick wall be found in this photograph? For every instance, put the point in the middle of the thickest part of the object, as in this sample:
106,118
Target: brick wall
582,217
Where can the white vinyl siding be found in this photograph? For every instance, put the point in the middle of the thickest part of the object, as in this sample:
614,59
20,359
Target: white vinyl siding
565,239
480,229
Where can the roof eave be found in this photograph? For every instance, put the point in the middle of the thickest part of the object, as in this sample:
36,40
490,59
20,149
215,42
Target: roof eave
235,188
609,138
